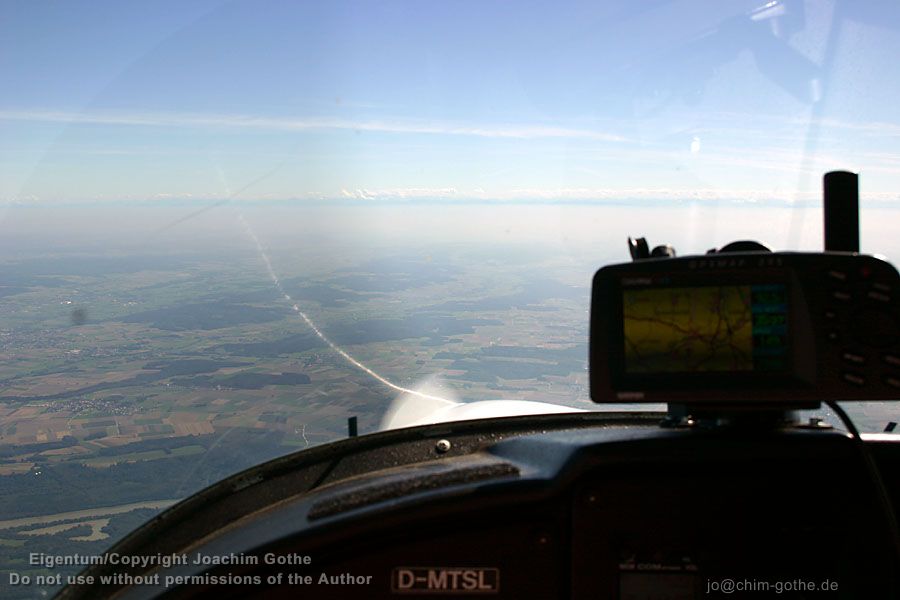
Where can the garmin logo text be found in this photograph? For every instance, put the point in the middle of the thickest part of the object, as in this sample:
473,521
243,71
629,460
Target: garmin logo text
450,580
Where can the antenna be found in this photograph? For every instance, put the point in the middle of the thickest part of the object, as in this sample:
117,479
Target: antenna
841,211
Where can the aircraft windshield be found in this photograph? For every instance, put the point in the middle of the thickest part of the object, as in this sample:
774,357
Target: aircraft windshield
227,227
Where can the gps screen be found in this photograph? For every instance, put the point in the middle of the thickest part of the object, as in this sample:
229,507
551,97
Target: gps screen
733,328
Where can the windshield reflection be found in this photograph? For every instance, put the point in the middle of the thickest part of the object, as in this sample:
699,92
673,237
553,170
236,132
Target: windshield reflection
229,227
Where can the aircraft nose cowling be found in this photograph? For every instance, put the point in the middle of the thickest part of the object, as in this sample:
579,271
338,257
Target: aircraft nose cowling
409,411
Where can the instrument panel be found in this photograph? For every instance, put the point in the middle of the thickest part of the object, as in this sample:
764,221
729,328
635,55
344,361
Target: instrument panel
627,513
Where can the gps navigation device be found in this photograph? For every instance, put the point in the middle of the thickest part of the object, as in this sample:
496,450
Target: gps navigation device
746,328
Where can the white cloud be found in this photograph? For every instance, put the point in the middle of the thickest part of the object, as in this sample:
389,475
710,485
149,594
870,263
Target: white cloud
588,194
539,195
235,121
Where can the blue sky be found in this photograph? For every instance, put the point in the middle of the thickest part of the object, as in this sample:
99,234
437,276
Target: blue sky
115,101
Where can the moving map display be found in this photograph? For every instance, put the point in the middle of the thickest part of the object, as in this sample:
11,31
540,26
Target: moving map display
731,328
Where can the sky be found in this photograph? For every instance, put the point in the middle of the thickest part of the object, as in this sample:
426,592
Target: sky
418,101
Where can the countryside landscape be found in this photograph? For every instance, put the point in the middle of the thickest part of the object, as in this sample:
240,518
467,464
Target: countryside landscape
131,378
